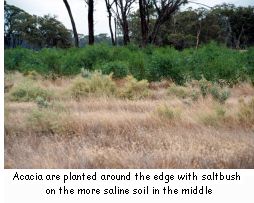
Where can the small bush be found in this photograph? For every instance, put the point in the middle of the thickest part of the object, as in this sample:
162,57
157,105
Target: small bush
85,73
43,120
204,86
29,91
118,68
137,66
246,113
166,112
51,58
178,91
97,84
194,95
219,94
33,75
13,58
134,89
79,88
165,64
41,102
215,118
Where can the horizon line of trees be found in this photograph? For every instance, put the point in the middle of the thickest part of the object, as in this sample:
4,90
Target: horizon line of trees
157,22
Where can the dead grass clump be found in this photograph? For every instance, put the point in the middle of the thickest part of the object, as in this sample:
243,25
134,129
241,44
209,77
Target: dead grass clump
134,89
246,113
27,90
97,84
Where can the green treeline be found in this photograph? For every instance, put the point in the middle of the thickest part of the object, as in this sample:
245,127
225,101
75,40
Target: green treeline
212,61
161,25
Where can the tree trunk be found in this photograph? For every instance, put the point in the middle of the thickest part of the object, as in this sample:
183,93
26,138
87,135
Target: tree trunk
126,37
75,33
238,41
144,27
115,30
108,5
111,30
91,21
198,35
155,31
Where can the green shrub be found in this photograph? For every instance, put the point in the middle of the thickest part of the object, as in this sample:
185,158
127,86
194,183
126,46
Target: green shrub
29,91
219,94
41,102
137,66
204,86
194,95
119,69
89,56
166,63
51,58
214,62
134,89
13,58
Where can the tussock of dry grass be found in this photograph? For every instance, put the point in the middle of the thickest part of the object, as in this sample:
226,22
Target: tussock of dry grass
159,131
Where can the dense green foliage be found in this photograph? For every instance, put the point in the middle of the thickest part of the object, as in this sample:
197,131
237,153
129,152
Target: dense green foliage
225,23
213,62
26,30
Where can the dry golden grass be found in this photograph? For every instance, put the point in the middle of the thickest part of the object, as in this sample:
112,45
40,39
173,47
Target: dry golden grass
160,131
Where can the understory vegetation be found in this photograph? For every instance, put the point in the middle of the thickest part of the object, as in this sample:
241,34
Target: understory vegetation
213,62
98,121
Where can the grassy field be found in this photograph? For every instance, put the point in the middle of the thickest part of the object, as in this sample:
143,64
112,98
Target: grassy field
95,121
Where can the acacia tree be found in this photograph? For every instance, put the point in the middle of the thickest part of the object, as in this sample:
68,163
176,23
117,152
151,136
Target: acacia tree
123,8
75,33
164,10
109,5
90,4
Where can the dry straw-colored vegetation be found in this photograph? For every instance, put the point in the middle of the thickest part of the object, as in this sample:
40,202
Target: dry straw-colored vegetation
97,122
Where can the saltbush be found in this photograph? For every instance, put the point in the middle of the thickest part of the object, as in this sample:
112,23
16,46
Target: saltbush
167,112
219,94
134,89
96,84
28,91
